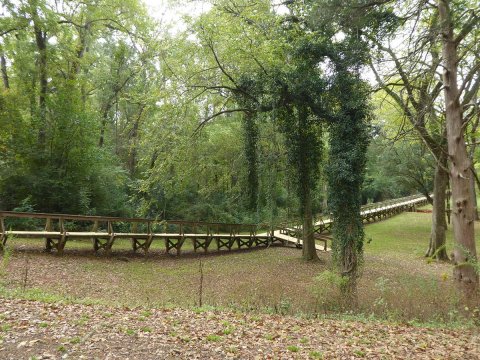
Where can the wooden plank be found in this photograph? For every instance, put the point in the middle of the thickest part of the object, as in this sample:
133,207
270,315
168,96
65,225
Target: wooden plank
37,234
87,234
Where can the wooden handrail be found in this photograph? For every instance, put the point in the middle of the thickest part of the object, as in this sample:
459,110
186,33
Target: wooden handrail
97,218
233,228
29,215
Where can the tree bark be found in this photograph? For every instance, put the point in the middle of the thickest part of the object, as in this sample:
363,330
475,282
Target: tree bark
309,252
462,211
103,125
305,148
325,197
41,42
133,140
437,248
3,69
250,149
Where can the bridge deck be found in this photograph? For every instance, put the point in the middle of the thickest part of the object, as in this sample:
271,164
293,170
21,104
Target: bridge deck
176,233
299,242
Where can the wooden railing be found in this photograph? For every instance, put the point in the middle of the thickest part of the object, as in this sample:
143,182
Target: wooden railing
57,229
369,213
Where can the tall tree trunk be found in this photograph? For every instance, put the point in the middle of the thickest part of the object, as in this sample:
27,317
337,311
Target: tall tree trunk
437,248
305,147
309,252
325,197
41,41
103,125
463,216
251,138
133,140
3,69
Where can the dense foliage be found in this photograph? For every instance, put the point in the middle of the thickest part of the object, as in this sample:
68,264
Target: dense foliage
99,114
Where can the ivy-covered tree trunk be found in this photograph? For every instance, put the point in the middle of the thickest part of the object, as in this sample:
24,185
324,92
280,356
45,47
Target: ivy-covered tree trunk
307,148
437,247
251,136
3,70
309,250
349,140
463,213
304,152
344,202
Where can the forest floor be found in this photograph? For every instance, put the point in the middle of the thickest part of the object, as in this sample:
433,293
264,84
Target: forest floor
36,330
264,303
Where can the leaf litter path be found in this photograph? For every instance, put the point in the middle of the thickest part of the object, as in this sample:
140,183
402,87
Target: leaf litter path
36,330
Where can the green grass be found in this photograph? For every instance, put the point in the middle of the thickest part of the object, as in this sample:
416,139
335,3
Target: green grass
315,355
397,283
213,337
407,234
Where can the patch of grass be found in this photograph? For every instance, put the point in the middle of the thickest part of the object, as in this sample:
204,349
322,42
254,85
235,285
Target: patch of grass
83,320
315,355
293,348
6,256
130,332
203,309
213,337
147,313
5,327
43,325
62,349
146,329
228,330
360,353
37,294
185,339
75,340
407,233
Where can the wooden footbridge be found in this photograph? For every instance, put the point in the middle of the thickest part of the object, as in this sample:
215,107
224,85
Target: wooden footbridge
102,231
369,213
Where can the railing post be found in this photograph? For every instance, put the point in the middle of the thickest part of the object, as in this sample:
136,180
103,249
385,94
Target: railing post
3,236
63,238
48,241
94,239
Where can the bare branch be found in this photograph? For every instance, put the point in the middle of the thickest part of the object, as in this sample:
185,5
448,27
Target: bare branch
206,120
472,22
